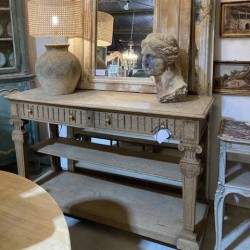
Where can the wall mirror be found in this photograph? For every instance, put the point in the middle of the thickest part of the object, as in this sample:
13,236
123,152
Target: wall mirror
191,22
121,26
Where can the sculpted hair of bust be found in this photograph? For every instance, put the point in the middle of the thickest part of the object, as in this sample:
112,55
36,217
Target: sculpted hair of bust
160,54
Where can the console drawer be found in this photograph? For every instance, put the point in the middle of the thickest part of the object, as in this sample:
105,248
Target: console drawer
57,115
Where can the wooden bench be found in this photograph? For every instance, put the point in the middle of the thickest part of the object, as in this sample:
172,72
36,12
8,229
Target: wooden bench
234,138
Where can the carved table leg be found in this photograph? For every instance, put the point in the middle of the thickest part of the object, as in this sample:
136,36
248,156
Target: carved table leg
218,214
220,195
191,169
20,138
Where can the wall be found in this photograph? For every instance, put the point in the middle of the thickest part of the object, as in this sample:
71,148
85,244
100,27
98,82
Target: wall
226,106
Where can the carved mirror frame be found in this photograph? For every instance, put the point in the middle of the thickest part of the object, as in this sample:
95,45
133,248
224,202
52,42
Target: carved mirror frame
172,16
203,52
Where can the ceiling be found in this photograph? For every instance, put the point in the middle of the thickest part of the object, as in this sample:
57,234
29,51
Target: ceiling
140,14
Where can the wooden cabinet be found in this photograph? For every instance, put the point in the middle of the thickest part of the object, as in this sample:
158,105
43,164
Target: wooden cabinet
9,84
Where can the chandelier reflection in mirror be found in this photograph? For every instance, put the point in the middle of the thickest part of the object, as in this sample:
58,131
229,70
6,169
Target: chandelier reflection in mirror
129,56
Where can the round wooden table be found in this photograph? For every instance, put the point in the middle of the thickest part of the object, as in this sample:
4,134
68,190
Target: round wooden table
29,217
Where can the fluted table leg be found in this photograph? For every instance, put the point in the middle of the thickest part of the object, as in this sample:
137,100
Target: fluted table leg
20,138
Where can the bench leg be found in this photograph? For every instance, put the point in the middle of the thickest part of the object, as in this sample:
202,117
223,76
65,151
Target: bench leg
218,214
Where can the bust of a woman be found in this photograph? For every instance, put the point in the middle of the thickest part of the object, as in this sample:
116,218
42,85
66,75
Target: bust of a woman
160,55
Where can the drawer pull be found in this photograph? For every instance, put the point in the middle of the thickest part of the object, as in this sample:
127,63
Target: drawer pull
108,121
72,117
163,126
30,111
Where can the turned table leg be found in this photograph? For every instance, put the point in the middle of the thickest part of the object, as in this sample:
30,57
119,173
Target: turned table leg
191,168
20,138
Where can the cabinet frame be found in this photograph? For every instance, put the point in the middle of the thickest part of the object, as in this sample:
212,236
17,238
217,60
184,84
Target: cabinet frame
19,38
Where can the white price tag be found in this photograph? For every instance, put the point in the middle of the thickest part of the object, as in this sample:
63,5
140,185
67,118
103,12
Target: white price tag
162,135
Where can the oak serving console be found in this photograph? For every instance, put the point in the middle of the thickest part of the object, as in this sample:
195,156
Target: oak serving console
164,217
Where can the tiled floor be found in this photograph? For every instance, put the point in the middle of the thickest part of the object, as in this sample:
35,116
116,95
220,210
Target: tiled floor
87,235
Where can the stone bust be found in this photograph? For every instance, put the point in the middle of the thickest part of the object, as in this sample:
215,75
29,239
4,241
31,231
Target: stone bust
159,59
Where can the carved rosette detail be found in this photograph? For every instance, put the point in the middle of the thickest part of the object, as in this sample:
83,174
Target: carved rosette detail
219,194
220,189
190,152
190,170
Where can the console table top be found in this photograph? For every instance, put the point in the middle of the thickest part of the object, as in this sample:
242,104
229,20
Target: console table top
195,106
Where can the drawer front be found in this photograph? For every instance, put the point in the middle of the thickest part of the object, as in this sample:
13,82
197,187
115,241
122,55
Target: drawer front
126,122
59,115
180,129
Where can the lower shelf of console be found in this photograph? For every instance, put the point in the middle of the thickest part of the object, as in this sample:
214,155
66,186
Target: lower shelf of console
158,216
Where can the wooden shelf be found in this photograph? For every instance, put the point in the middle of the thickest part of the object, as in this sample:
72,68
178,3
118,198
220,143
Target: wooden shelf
154,167
147,213
122,136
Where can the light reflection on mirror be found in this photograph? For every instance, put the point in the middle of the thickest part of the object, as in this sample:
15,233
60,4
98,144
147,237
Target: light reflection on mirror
132,22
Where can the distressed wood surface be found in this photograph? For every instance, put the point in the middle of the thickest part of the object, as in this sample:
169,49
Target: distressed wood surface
128,112
127,162
194,107
203,47
147,213
29,217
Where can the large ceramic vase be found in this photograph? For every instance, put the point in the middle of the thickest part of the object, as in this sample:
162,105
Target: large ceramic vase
58,70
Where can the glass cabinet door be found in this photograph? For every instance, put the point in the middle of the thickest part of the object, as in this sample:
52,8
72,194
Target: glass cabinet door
14,71
7,53
10,36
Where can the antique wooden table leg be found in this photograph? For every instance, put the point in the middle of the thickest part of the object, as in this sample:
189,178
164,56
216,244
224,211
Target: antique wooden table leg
191,168
20,138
